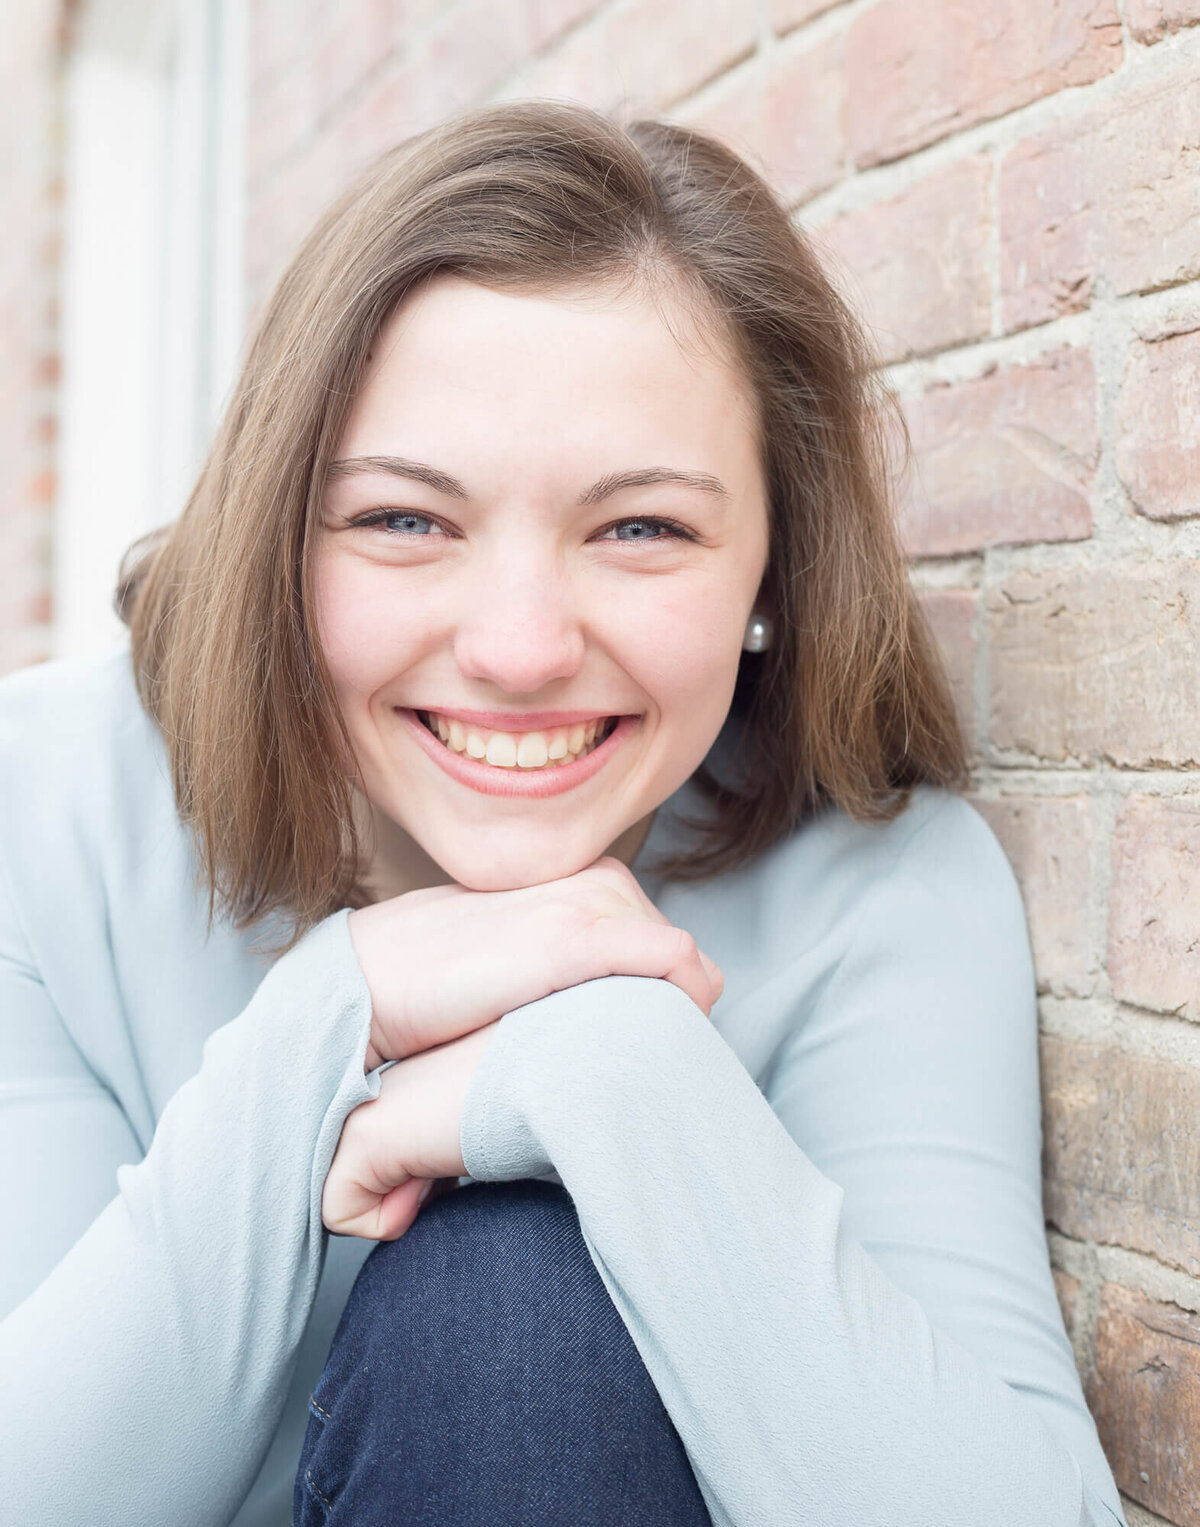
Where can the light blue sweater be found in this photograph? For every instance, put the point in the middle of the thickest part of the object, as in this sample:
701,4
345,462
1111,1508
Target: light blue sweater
819,1214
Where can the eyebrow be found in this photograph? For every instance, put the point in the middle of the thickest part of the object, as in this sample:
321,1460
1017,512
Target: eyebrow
442,482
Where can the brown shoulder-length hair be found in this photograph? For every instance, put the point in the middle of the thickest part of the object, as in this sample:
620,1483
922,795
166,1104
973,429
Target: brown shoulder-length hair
848,706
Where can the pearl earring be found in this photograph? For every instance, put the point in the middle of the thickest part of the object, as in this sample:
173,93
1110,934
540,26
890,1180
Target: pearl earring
758,634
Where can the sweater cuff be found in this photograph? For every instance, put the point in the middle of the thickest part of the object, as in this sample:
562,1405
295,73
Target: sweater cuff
572,1050
495,1139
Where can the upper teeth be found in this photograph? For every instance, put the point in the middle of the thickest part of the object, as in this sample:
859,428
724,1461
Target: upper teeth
523,750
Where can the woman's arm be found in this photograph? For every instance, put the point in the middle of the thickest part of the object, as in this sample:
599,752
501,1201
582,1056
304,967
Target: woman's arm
142,1375
876,1344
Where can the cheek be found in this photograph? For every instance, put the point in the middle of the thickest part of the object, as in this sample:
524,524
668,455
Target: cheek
683,648
364,630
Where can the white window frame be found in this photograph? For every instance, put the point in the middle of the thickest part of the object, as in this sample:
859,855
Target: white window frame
152,282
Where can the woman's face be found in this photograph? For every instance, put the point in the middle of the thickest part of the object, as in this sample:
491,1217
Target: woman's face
498,548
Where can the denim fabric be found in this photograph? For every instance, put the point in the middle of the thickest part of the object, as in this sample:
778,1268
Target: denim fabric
481,1374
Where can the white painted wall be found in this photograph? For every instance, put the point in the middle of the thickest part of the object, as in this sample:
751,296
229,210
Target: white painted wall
152,314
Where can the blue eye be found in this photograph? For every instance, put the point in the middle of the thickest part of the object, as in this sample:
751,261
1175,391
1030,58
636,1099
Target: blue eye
385,517
674,530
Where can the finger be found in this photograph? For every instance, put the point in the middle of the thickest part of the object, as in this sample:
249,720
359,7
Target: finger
713,971
398,1209
377,1217
618,876
635,947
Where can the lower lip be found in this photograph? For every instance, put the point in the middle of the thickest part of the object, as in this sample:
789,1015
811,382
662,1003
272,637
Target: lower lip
490,779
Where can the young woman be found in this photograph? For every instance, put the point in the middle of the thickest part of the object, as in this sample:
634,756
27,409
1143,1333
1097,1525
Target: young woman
530,769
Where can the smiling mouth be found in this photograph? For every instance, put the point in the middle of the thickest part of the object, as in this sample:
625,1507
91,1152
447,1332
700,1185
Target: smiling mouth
530,751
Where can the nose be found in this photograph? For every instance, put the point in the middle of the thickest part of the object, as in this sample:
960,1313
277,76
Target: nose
519,629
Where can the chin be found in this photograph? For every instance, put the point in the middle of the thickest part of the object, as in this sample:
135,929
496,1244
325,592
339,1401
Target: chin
476,867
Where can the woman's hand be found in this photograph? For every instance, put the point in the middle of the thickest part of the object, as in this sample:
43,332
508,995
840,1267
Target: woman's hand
393,1148
445,961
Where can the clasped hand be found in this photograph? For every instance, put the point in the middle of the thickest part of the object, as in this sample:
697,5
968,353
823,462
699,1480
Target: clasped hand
443,965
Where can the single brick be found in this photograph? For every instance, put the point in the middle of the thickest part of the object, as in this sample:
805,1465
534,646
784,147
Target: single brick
910,82
1005,458
38,608
1098,664
1145,1396
1151,20
1158,427
1050,844
1154,907
803,136
918,262
664,49
786,14
42,487
1109,194
1121,1153
953,616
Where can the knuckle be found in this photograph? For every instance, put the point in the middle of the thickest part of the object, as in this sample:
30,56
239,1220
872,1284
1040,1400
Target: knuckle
682,943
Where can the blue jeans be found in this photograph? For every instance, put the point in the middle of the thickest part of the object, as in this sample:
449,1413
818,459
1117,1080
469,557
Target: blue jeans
482,1375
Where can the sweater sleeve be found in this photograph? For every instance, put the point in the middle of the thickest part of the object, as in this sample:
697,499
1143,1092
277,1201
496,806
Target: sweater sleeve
143,1376
841,1288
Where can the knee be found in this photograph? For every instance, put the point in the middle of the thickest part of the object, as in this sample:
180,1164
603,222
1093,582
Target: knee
490,1281
481,1373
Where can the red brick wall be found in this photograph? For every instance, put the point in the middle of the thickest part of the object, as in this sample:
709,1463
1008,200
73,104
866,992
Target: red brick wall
1009,189
30,193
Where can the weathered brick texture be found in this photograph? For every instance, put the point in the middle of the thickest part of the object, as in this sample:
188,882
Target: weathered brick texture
910,82
803,140
1098,665
1154,918
1145,1395
664,48
1004,458
1110,195
953,616
1158,427
470,48
786,116
918,262
1051,844
1122,1149
1152,20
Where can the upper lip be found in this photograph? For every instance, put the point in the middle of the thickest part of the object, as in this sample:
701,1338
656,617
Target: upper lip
518,720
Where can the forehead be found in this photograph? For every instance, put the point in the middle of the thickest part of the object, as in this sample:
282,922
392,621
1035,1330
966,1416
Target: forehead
623,352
